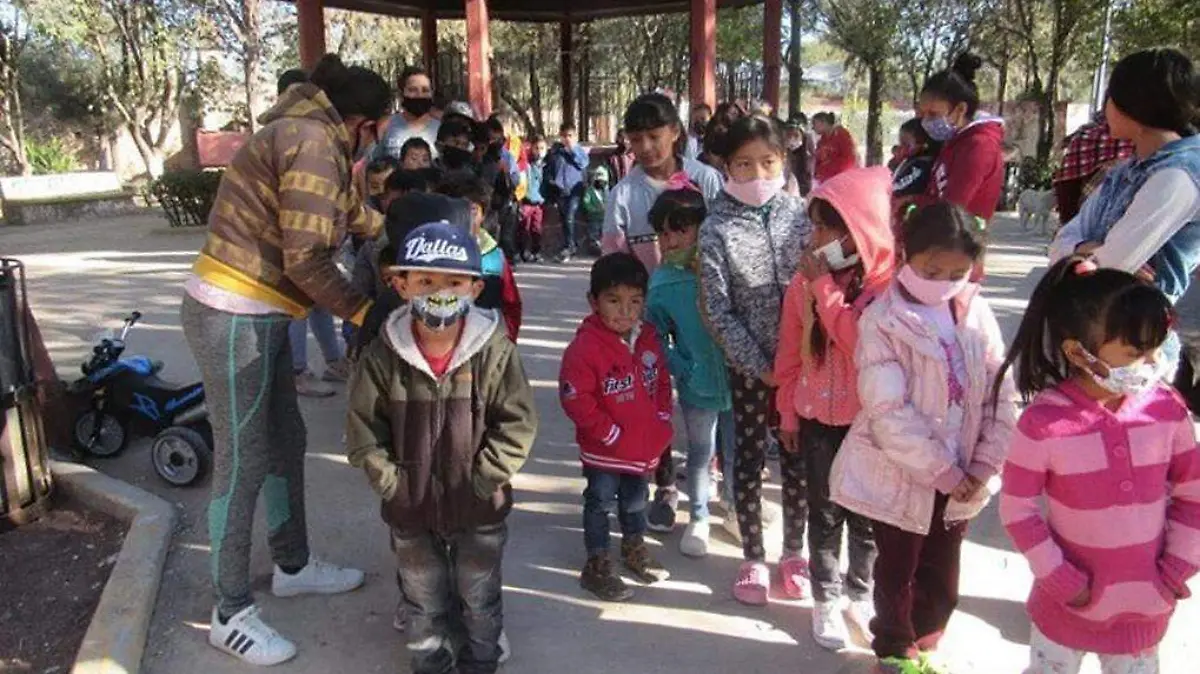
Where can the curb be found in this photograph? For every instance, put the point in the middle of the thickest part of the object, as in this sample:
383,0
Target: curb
116,637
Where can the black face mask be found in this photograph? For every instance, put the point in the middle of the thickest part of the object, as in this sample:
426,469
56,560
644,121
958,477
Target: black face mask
455,157
417,107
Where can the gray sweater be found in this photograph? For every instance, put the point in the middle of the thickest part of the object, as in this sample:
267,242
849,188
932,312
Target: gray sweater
747,259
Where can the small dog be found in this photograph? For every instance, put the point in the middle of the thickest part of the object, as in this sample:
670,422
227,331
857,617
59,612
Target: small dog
1035,208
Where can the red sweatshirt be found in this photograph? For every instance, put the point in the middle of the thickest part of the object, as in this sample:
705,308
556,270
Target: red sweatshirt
618,397
835,153
969,171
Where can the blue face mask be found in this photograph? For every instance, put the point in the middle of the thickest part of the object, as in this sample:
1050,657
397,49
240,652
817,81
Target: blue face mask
441,310
939,128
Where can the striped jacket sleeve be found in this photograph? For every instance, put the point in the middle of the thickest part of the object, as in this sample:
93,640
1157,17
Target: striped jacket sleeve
1024,483
1181,556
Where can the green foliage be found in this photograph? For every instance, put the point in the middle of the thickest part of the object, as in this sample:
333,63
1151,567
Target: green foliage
1153,23
186,197
1036,174
51,156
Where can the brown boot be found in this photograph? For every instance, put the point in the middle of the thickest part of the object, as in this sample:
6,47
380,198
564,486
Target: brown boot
601,579
644,567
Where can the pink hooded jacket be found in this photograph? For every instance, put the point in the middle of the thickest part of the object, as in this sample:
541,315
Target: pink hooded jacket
826,391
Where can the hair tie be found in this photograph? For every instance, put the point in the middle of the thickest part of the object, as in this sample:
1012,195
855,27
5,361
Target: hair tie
1172,318
1085,267
908,210
980,224
681,181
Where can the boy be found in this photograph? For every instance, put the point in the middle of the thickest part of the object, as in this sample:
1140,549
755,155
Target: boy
499,285
615,389
593,207
441,461
568,165
498,170
697,363
415,154
378,172
533,205
454,143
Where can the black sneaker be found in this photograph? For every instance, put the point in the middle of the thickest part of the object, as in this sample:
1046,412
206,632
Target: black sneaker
636,555
661,516
599,578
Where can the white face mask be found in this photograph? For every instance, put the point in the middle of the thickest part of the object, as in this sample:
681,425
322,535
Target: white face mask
1129,380
836,256
441,310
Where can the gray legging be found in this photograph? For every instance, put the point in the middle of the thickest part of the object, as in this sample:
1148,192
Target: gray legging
259,439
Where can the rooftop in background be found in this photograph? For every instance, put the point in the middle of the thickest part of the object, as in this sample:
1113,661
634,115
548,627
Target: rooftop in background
529,10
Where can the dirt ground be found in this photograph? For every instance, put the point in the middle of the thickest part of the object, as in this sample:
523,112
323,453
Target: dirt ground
51,575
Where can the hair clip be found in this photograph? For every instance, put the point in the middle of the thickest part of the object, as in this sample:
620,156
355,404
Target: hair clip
1085,267
908,210
980,224
682,181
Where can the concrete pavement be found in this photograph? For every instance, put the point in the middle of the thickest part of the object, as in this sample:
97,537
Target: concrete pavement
84,276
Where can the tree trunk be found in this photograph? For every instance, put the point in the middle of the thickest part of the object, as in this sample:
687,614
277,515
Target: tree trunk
251,57
875,114
152,156
535,95
1002,86
795,67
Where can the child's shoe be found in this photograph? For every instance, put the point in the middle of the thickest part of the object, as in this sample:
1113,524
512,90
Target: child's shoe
730,524
793,577
505,648
640,563
400,619
601,579
828,627
245,636
859,615
661,515
695,539
898,666
338,371
752,584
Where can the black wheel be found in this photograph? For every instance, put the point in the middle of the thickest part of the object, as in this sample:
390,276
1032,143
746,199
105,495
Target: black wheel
112,437
180,456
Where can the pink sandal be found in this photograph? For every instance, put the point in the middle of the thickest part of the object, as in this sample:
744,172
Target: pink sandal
752,584
793,577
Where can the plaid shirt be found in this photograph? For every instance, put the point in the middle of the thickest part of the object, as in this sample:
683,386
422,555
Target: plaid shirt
1089,150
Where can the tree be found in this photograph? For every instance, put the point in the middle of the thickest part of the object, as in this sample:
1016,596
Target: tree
14,35
140,47
243,29
801,18
867,31
1152,23
932,33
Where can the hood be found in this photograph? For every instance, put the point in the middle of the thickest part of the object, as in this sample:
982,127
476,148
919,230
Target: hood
593,328
478,329
1181,146
669,275
983,125
307,101
486,242
863,197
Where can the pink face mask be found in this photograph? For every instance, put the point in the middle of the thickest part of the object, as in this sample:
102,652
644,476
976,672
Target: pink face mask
755,193
930,292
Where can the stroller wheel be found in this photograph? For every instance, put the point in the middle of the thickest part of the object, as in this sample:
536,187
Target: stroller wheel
181,456
110,440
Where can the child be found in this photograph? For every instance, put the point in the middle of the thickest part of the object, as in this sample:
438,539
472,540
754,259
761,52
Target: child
500,290
615,389
931,434
593,206
657,138
1109,448
848,265
378,172
443,469
749,247
533,205
415,154
694,358
454,143
917,155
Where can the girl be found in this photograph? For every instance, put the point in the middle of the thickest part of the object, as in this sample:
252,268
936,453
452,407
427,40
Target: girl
1145,218
836,151
848,264
969,170
749,246
657,139
930,437
1112,452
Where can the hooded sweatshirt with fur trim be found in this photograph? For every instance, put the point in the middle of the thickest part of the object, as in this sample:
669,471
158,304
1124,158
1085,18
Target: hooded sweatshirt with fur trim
440,451
826,389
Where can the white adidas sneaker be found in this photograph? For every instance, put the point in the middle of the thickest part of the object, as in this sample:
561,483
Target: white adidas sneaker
249,639
317,578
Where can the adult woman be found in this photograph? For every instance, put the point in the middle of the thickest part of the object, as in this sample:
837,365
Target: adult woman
835,148
416,116
1145,217
284,205
969,170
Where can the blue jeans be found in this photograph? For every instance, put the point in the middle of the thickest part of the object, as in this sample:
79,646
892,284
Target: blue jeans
706,430
629,493
450,580
568,209
321,322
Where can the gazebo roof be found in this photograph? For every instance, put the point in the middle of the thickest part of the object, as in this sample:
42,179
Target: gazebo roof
528,10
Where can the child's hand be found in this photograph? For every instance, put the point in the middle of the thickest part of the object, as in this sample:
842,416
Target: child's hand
790,441
813,266
768,378
1082,598
966,490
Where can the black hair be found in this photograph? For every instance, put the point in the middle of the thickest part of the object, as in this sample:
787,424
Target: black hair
752,128
353,90
826,117
618,269
289,77
800,118
453,126
1075,300
914,127
414,143
382,164
464,184
494,123
412,180
944,226
702,106
565,127
408,72
537,138
678,210
823,211
956,84
1159,88
654,111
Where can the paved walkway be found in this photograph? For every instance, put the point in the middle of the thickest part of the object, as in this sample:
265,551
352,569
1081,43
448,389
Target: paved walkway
86,276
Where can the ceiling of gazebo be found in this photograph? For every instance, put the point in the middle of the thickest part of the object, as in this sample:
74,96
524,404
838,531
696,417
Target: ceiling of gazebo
529,10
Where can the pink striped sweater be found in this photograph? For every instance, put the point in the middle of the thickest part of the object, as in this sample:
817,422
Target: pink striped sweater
1122,514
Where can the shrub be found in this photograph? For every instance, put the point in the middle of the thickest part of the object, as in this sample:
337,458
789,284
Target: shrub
186,197
1036,175
51,156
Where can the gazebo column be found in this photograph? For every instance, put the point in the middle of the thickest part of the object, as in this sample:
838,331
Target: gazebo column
566,45
429,44
479,76
772,46
310,17
703,77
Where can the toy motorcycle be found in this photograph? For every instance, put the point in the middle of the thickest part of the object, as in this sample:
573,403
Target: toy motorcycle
126,395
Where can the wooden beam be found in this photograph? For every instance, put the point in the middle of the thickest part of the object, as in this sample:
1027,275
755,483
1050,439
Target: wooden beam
479,76
702,83
429,44
772,45
566,45
310,15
